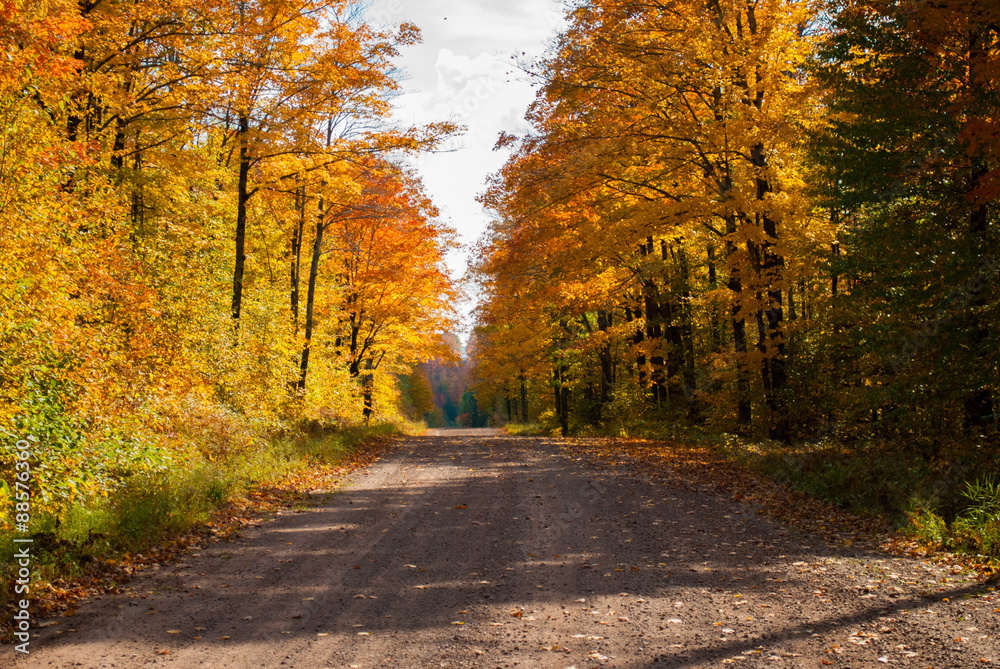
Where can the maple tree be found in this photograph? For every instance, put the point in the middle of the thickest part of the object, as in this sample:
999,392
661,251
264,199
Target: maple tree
666,132
395,296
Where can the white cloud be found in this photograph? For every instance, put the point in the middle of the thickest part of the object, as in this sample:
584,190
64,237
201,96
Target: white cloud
463,72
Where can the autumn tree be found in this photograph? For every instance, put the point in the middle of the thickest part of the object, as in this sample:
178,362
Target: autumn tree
385,251
154,153
677,126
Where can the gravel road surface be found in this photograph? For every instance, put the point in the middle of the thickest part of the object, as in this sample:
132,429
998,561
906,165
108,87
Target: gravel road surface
471,549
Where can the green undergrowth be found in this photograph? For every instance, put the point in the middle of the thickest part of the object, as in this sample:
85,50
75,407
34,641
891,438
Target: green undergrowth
526,429
147,509
333,446
948,502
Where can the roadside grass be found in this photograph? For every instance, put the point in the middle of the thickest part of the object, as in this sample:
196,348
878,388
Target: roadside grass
525,429
331,447
97,541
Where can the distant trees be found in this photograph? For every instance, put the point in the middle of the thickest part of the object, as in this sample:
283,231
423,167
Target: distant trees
420,393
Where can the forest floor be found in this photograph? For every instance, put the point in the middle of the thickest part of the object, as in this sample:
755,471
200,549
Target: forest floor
474,549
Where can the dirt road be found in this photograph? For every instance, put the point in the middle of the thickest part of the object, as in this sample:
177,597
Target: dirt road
476,550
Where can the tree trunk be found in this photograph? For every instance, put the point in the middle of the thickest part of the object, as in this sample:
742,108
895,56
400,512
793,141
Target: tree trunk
561,396
654,330
670,312
739,325
715,326
979,406
295,256
654,334
834,276
311,295
137,209
637,338
367,385
604,322
564,407
772,270
687,335
242,196
118,150
524,398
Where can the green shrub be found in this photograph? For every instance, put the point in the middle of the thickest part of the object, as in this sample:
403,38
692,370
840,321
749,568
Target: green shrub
977,528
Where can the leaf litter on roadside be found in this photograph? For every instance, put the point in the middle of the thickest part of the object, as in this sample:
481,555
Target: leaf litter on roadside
701,465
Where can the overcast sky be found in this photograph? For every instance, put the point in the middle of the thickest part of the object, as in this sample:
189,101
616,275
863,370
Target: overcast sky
462,71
